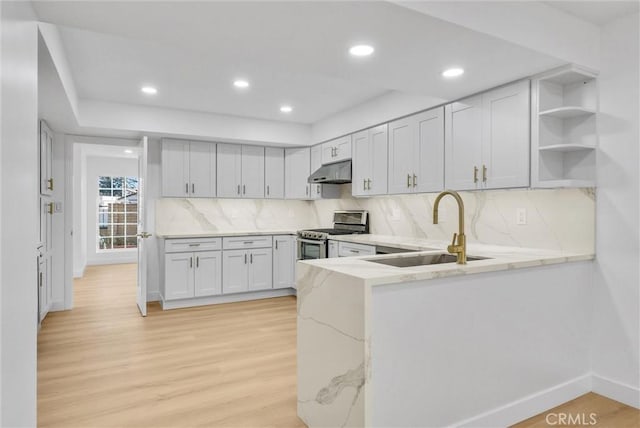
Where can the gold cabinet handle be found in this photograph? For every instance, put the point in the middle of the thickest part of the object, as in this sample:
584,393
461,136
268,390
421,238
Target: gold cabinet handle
415,180
408,180
475,174
50,208
50,184
484,173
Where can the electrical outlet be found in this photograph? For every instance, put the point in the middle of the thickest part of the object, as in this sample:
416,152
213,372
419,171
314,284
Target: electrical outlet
521,216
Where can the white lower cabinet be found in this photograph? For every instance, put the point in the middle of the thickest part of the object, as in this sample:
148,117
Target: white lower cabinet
332,249
194,274
214,267
284,261
246,270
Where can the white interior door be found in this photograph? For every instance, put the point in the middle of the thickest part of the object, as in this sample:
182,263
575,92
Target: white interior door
141,297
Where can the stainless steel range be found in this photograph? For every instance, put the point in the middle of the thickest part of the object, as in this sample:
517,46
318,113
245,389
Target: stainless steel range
312,243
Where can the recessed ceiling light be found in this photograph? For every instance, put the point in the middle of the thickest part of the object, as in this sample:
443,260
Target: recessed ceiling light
286,109
453,72
361,50
241,83
149,90
128,151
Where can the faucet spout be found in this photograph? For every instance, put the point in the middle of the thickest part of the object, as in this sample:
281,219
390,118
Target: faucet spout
459,244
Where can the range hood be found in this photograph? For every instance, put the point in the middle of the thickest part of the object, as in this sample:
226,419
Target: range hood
334,173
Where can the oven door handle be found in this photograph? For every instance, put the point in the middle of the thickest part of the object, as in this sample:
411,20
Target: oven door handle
312,241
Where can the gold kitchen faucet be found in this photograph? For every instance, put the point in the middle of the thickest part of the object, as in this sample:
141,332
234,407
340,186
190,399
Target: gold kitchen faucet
459,244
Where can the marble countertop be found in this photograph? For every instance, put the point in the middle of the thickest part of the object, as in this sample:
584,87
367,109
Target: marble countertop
498,258
221,233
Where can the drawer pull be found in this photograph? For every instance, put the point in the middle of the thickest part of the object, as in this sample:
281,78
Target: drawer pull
194,245
197,261
248,242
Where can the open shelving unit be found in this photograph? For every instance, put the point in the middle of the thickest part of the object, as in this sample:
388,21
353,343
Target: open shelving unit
564,134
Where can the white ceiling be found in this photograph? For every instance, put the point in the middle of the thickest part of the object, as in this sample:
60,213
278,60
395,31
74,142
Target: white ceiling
291,52
597,12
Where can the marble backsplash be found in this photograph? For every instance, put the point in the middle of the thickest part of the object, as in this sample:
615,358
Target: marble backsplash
558,219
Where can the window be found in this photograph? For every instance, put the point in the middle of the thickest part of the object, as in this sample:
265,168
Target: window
117,213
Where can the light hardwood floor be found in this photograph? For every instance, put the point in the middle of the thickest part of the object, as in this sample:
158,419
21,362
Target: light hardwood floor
101,364
232,365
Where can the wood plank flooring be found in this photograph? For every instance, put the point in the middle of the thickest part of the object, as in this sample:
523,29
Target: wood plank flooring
101,364
608,413
231,365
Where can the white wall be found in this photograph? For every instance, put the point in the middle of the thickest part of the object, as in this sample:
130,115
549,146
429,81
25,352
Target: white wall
104,166
19,221
373,112
616,341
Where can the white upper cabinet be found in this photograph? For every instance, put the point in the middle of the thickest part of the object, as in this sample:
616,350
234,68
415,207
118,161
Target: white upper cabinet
315,190
370,161
336,150
240,171
487,140
229,171
297,170
416,145
506,136
273,173
188,169
463,144
202,169
252,172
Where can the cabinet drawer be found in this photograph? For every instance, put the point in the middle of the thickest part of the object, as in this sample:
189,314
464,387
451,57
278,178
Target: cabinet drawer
244,242
347,249
192,244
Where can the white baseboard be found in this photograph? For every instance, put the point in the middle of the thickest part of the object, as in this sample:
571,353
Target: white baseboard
57,306
617,391
153,296
228,298
531,405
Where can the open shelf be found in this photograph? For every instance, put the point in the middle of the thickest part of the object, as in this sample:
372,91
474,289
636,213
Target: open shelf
565,136
569,147
567,112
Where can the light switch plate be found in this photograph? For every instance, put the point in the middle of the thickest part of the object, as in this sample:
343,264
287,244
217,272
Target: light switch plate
521,216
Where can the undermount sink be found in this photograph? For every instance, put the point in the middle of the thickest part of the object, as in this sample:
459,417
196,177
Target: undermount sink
422,260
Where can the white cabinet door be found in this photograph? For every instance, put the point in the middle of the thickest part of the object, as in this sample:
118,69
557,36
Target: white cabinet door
343,148
297,166
463,144
336,150
284,261
401,156
273,173
505,145
378,160
178,276
46,159
235,265
260,269
252,172
361,163
175,168
229,170
315,190
202,169
333,249
208,273
429,169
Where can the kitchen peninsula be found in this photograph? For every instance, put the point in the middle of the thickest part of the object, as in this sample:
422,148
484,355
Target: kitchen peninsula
481,344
